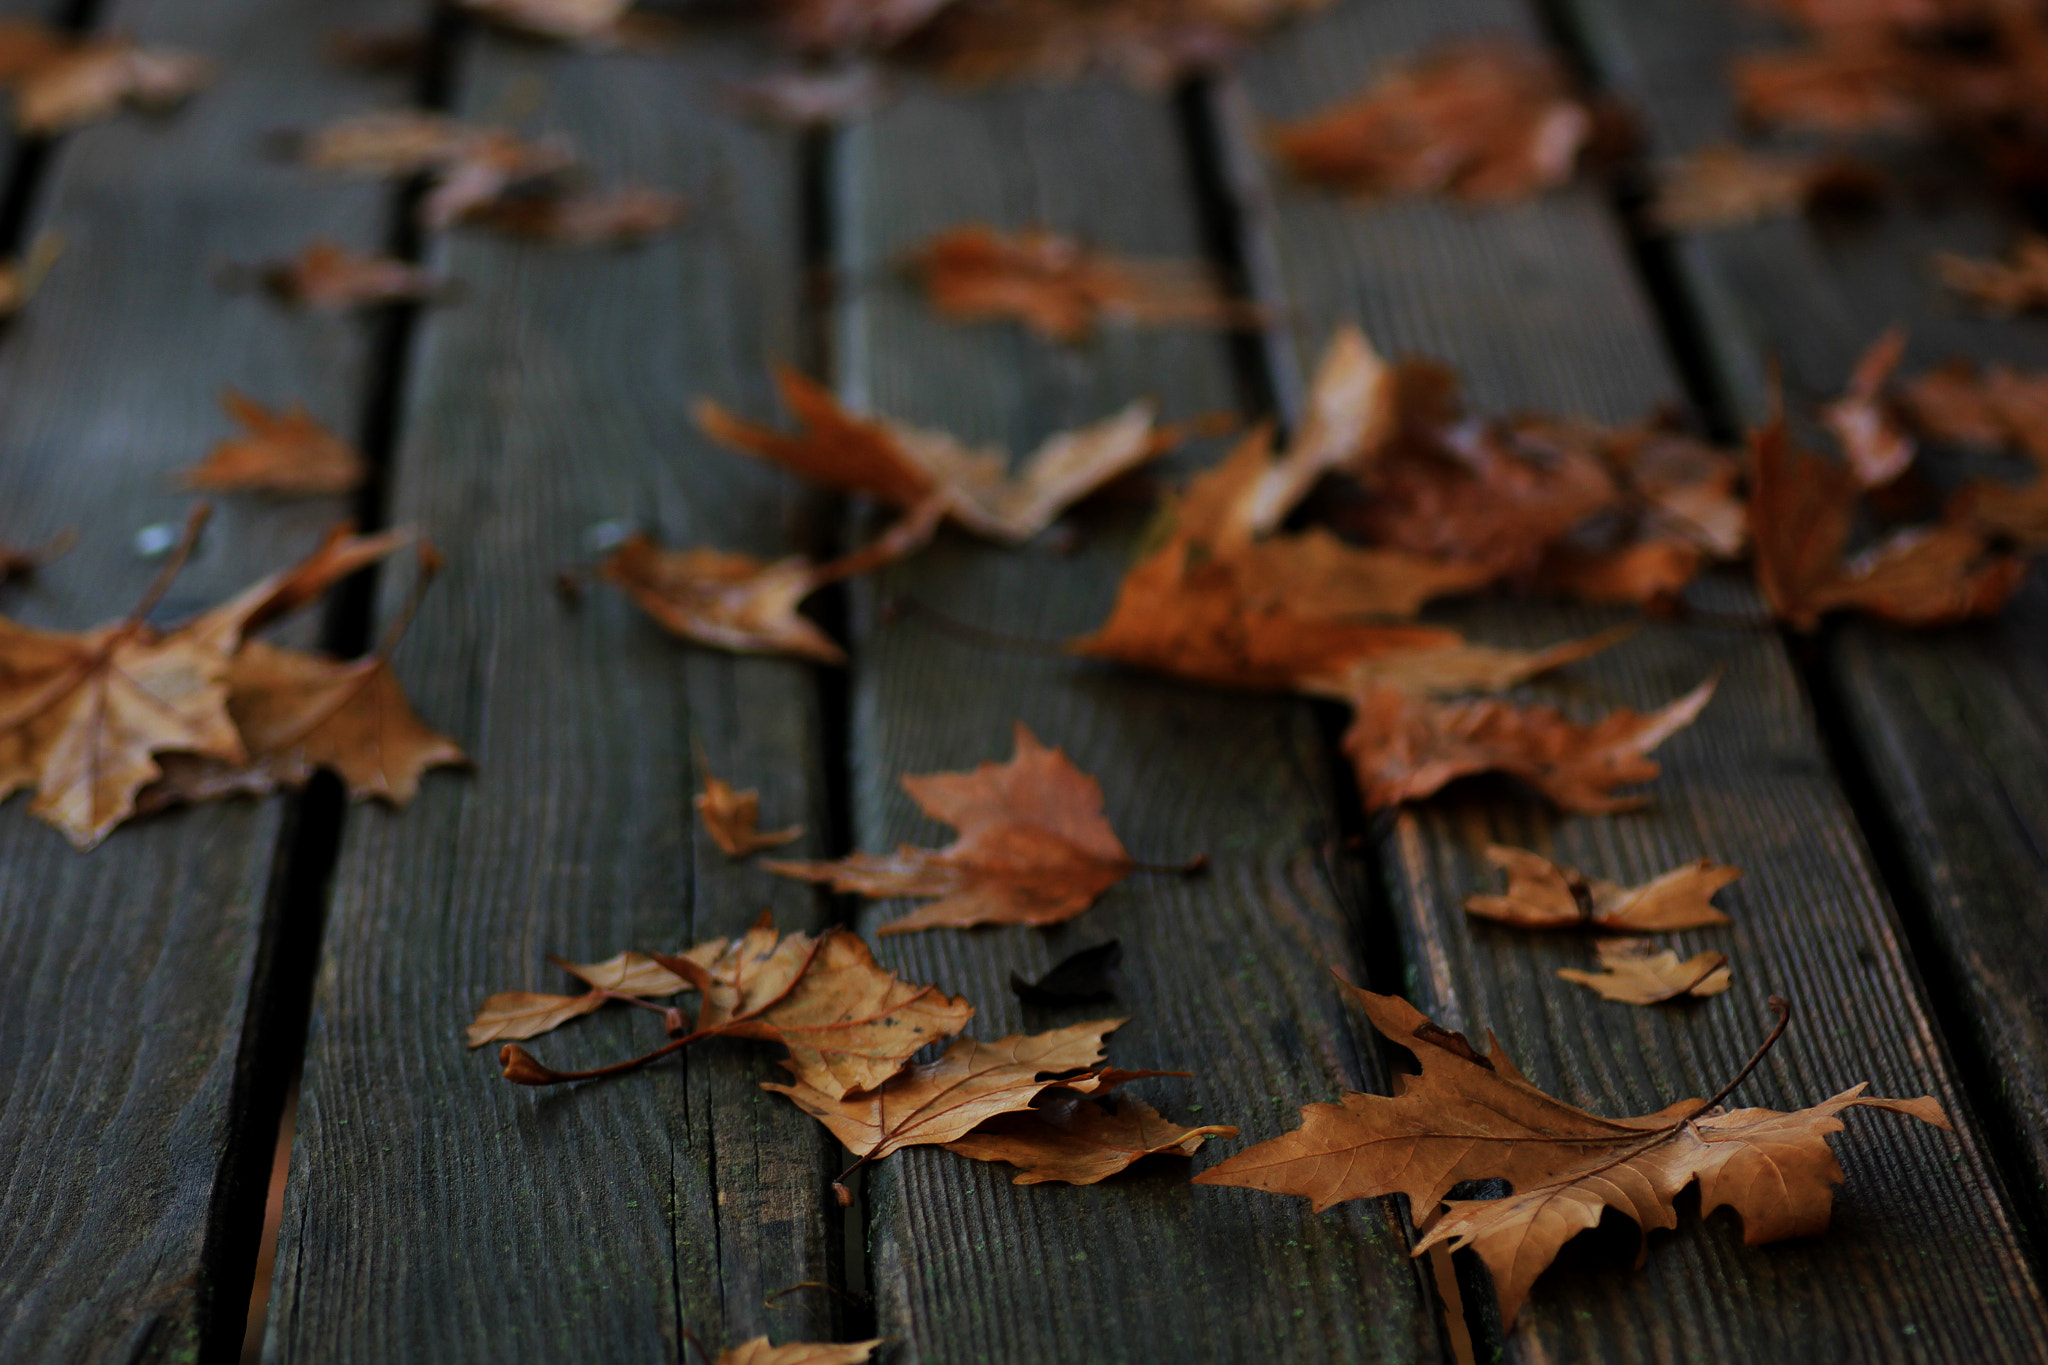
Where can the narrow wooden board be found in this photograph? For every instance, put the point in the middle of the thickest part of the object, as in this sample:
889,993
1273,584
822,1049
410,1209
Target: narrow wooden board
1948,721
1536,305
126,974
1226,975
436,1211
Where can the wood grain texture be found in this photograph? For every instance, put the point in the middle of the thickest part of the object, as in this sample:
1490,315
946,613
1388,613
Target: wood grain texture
125,974
1948,721
436,1211
1536,305
1226,975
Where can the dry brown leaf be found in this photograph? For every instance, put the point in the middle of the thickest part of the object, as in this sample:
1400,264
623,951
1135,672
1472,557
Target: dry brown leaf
739,603
1994,408
1405,748
398,49
1353,410
389,142
615,217
943,1101
1062,288
2003,510
1926,576
1069,1138
1460,668
1481,121
2016,285
1724,185
330,277
759,1352
94,79
1151,43
808,99
1033,847
1543,895
734,819
1472,1116
1634,971
473,169
564,20
286,453
842,24
512,1015
1877,450
906,465
19,280
1850,83
1650,573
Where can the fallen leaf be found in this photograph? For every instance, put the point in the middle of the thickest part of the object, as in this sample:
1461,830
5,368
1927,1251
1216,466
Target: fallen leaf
94,79
808,99
1634,971
1878,452
1062,288
1647,573
330,277
1543,895
1075,1140
844,24
286,453
1459,668
1089,974
399,49
739,603
471,168
1151,43
1353,410
564,20
1486,122
733,819
19,280
1472,1116
906,466
1994,408
1848,83
942,1101
1405,748
1992,508
1033,847
615,217
2016,285
528,1014
1926,576
759,1352
1723,185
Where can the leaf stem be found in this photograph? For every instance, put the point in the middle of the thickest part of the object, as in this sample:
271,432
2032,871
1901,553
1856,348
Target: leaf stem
174,565
1783,1009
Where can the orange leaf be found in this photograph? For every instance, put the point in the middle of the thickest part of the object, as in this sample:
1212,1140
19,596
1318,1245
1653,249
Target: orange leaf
286,453
734,818
2018,285
1542,895
1877,450
759,1352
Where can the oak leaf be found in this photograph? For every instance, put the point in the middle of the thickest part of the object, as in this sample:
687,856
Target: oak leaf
1062,288
1543,895
1877,450
733,818
330,277
1075,1140
286,453
1405,748
1033,847
739,603
906,465
2016,285
1635,971
1482,121
759,1352
1472,1116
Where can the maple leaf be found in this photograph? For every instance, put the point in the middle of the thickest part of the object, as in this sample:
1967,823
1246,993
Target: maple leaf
1635,971
1062,288
1472,1116
511,1015
759,1352
2018,285
739,603
284,453
1067,1137
1482,121
1543,895
330,277
1033,847
907,466
1405,748
734,819
1877,450
1726,186
76,83
942,1101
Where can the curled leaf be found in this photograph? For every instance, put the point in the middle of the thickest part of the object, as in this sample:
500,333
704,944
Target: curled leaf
1635,971
734,818
1543,895
1075,1140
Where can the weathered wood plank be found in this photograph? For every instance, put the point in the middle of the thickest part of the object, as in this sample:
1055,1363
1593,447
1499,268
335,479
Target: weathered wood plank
435,1211
1536,306
126,974
1226,975
1948,721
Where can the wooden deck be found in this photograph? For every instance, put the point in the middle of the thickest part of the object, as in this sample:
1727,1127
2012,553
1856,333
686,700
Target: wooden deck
1887,793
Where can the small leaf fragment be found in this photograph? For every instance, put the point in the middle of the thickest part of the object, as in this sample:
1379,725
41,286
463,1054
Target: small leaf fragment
733,819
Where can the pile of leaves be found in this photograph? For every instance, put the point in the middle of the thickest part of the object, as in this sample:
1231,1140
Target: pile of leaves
1043,1102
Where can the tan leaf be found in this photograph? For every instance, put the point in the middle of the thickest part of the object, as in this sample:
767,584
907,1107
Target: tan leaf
1353,410
1472,1116
1877,450
387,143
734,819
284,453
1405,748
1635,971
759,1352
1061,288
528,1014
736,602
1482,121
330,277
1543,895
2017,285
1074,1140
1033,847
1461,668
93,80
